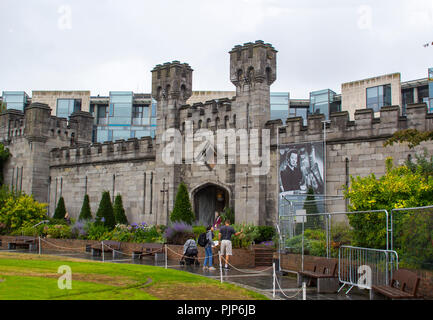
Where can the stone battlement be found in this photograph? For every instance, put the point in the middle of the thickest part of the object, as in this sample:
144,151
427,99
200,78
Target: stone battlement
108,152
210,114
365,126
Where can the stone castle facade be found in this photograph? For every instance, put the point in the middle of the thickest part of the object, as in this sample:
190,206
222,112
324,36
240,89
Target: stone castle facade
54,157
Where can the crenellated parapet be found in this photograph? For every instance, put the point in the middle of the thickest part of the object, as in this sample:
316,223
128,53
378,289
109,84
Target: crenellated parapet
213,114
131,150
339,128
37,124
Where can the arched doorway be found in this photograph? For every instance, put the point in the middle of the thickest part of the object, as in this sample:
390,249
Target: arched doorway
207,200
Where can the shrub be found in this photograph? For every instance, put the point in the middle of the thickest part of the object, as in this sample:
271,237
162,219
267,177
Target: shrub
86,212
265,233
182,211
58,232
178,233
60,211
119,211
97,231
105,214
17,210
79,230
198,230
246,238
228,214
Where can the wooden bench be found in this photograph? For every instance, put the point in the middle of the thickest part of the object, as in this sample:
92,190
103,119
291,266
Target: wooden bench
109,246
323,273
403,285
149,250
26,242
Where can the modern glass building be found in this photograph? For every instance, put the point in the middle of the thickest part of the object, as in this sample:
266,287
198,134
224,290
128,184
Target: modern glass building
123,115
17,100
280,105
325,102
66,107
378,97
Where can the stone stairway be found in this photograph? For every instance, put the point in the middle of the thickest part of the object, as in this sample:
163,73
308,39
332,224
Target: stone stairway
263,256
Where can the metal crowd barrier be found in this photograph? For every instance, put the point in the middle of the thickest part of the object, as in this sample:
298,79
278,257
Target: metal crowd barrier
364,267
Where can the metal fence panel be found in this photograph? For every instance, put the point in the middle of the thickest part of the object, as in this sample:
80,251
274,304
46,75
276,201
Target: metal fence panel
364,267
411,234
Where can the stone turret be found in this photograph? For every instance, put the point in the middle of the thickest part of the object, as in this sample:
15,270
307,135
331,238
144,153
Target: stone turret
171,88
37,122
253,70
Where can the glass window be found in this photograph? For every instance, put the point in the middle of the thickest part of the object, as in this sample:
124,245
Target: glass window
15,100
102,135
121,134
65,107
378,97
120,112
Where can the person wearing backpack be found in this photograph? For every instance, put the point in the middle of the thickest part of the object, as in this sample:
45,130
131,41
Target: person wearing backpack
206,241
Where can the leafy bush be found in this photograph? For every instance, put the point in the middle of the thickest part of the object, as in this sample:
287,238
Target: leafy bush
86,212
197,230
17,210
400,187
58,232
265,233
182,211
97,231
246,238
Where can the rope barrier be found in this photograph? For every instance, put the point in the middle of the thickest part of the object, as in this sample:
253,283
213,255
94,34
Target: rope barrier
241,271
281,290
65,248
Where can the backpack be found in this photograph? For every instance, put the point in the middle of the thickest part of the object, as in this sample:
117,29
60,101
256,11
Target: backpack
202,240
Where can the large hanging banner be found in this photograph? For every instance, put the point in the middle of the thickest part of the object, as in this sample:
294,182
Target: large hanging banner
301,169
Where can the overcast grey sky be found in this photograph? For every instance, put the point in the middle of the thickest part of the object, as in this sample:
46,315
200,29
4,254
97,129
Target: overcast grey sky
109,45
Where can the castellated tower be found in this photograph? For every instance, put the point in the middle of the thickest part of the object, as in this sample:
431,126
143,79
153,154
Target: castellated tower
252,70
30,136
171,88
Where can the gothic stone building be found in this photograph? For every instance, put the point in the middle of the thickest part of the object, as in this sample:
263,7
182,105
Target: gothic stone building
54,157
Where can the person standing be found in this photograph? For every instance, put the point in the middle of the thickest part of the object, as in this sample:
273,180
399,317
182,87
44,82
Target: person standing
217,221
208,262
225,238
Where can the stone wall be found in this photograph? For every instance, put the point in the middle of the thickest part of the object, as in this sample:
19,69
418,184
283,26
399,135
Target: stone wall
124,167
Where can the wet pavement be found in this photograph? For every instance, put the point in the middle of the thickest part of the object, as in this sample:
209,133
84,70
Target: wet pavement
259,279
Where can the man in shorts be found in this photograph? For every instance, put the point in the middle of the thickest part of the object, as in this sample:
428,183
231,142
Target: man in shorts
225,238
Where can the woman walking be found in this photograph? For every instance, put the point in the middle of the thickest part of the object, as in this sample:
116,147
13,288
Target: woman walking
207,265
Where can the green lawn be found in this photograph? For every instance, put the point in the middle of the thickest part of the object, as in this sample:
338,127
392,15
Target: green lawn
32,277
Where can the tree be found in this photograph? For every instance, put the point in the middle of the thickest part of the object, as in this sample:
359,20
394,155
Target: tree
105,214
182,210
119,211
60,210
4,155
86,213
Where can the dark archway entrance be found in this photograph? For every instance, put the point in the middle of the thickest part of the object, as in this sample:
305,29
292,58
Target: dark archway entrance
207,200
